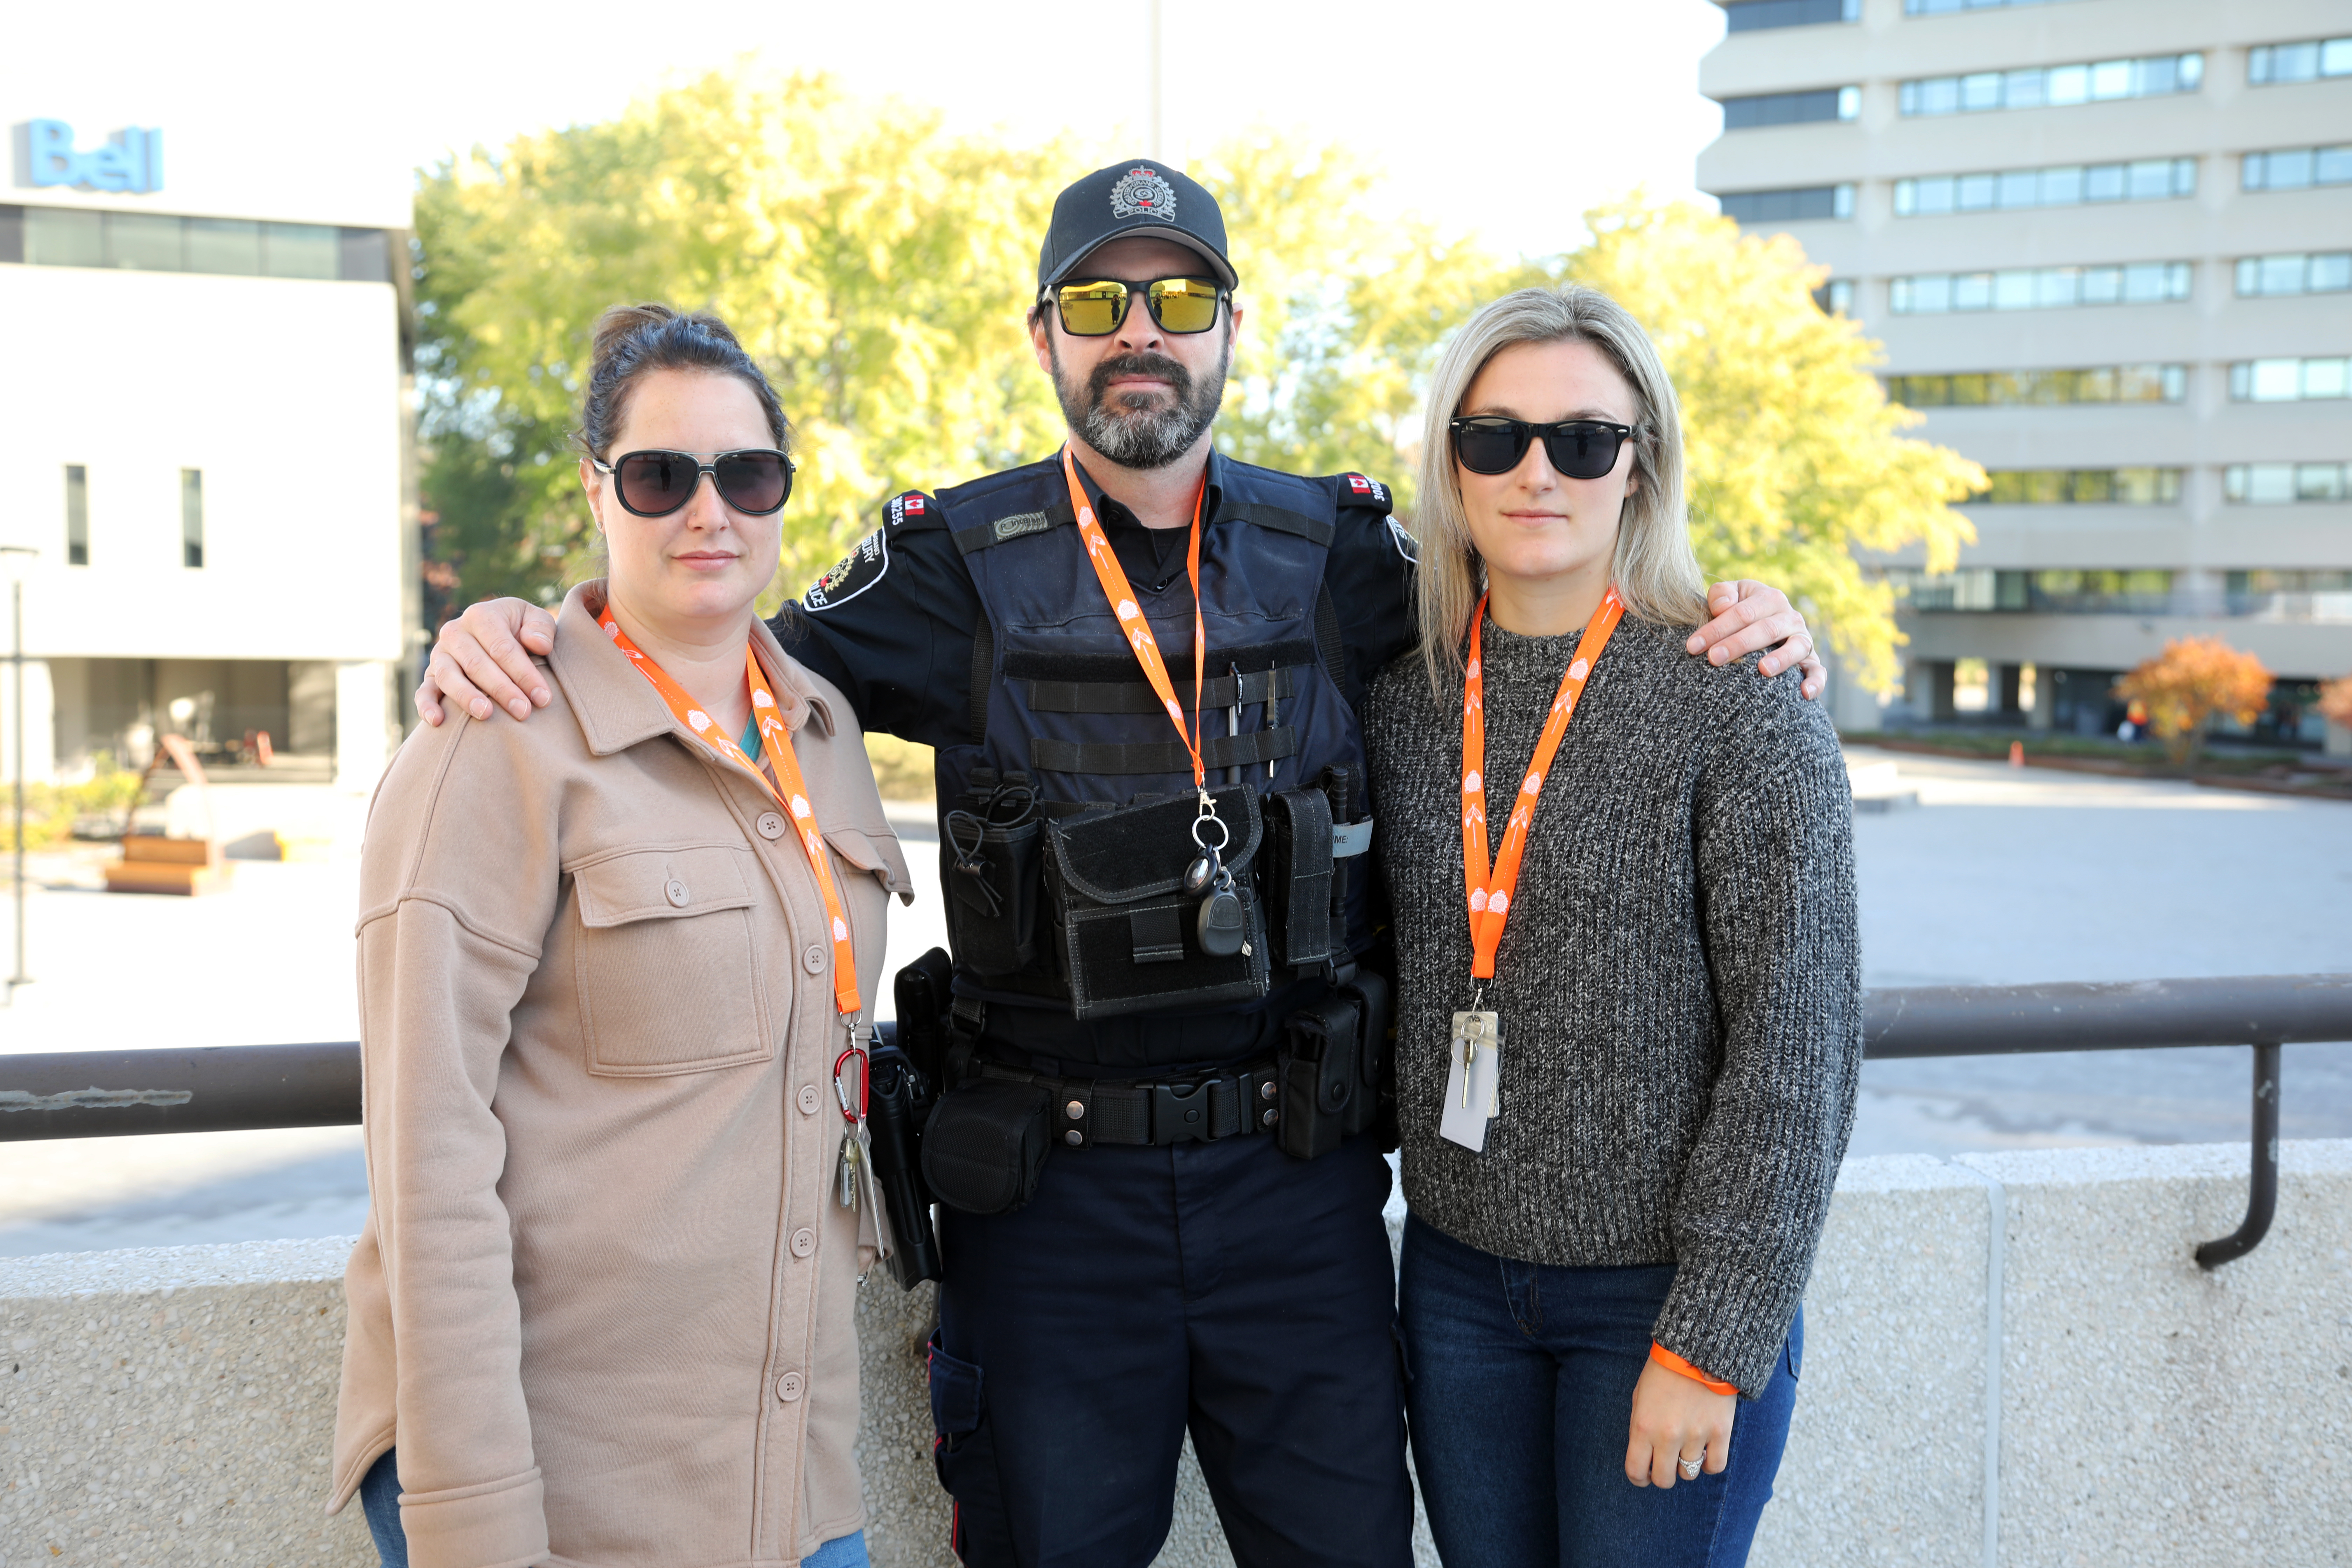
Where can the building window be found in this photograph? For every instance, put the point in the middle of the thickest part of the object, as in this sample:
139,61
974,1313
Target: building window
2067,186
2080,487
1791,107
2271,484
1835,297
2329,273
153,242
2111,383
2040,288
1749,15
2039,87
1788,206
191,517
77,515
2287,380
2275,65
2297,169
1945,7
2047,593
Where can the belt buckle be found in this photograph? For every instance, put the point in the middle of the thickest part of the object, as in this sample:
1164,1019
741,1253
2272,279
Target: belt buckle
1180,1115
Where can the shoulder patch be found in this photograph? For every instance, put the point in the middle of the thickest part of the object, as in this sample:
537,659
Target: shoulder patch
1402,537
853,573
1355,489
913,506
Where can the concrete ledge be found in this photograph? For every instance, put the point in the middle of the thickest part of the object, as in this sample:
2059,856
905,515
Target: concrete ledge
2151,1414
173,1406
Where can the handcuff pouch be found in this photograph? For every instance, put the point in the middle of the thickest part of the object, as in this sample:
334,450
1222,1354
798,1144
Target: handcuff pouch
985,1145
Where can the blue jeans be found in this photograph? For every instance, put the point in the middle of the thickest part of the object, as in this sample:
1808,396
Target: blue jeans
380,1500
1520,1389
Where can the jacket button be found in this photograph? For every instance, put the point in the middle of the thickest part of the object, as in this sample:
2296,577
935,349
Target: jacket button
803,1242
675,891
808,1100
771,825
813,959
788,1387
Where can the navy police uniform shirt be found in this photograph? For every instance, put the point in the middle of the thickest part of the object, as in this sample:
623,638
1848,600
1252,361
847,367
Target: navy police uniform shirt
893,623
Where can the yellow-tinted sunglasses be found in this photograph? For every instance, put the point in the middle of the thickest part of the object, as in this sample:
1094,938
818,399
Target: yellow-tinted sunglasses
1094,308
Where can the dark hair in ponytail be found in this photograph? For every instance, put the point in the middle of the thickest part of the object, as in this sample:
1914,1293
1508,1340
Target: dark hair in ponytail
633,340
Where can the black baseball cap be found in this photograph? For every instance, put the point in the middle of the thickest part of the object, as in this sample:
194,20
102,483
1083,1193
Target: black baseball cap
1137,196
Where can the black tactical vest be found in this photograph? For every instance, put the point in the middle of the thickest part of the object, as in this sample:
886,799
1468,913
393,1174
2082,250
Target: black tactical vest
1062,710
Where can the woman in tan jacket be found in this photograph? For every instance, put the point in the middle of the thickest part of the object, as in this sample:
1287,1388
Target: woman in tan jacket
612,973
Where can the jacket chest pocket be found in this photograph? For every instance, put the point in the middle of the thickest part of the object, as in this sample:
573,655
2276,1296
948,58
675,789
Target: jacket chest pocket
666,963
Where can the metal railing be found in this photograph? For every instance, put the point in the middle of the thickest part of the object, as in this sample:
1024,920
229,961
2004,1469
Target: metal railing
98,1094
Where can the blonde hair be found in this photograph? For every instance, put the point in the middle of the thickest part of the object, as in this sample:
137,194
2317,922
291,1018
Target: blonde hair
1658,572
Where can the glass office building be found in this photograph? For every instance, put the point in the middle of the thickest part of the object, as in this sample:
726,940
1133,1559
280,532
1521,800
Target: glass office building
205,411
2108,245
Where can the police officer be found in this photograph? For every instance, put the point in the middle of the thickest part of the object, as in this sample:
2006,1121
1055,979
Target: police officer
1140,663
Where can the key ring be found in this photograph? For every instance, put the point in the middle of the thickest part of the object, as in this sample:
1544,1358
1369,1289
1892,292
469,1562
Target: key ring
1225,834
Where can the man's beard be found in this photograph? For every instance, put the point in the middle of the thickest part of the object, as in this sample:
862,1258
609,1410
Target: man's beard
1142,430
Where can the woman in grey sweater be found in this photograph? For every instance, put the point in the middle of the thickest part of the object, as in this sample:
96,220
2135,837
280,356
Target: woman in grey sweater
1629,1031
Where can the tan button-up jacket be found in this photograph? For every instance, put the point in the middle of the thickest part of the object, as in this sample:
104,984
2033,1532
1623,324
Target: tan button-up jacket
603,1303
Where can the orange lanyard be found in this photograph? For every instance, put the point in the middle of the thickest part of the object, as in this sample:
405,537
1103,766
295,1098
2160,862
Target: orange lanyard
1490,892
1131,619
790,790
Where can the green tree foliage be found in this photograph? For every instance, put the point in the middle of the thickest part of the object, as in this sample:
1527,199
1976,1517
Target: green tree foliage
880,268
1348,303
876,266
1796,459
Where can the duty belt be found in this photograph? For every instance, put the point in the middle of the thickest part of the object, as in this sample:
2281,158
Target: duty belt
1086,1112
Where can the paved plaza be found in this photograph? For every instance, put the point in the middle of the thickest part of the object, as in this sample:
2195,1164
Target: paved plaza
1999,876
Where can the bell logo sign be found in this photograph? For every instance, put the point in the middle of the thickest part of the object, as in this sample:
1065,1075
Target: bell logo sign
131,159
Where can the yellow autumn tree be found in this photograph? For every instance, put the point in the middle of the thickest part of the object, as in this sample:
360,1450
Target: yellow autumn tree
2336,701
1797,462
2192,682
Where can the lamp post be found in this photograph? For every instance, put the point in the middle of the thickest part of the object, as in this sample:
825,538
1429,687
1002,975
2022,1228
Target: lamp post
16,673
1158,148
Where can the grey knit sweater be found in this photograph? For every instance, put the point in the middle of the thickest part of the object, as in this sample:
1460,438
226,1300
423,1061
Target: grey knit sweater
1679,982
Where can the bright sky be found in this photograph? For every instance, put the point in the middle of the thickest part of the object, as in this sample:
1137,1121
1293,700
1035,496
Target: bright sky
1510,117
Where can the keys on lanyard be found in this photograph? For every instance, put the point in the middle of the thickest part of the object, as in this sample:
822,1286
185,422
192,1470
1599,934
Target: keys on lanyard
1473,1078
1220,925
856,1152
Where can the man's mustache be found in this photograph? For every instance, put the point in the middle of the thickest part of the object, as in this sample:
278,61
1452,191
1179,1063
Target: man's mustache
1158,366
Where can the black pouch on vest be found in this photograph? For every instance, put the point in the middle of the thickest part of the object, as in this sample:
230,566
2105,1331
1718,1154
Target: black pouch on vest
1317,1067
1298,879
1126,929
1374,1104
991,863
985,1145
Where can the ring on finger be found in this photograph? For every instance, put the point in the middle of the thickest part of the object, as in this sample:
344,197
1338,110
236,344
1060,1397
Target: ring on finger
1690,1468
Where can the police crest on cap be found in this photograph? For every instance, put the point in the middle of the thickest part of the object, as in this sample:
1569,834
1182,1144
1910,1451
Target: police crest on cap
1141,192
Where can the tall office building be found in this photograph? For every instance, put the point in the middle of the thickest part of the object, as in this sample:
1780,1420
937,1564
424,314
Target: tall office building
205,418
2108,245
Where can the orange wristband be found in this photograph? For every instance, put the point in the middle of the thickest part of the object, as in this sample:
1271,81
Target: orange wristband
1673,1362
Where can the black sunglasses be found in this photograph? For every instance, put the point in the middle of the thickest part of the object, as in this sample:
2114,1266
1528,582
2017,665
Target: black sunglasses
1093,308
755,482
1579,448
